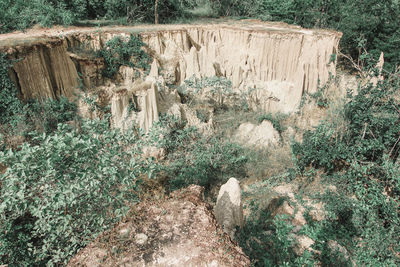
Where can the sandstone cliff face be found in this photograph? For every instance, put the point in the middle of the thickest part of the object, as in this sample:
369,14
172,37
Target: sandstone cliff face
283,62
273,64
44,70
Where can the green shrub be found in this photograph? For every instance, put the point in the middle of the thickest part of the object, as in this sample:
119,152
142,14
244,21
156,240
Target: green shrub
118,52
275,119
58,195
372,120
361,159
268,241
19,15
9,103
206,162
193,158
46,115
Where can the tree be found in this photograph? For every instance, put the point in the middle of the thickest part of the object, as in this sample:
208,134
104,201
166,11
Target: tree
156,12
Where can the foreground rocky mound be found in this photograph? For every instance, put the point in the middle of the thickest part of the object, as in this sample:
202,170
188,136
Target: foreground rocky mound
178,231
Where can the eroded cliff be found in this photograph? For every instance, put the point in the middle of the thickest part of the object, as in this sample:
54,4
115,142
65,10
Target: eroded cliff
273,64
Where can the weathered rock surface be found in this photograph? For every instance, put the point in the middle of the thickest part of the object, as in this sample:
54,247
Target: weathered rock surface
135,106
280,62
260,136
283,61
44,70
178,231
183,112
229,209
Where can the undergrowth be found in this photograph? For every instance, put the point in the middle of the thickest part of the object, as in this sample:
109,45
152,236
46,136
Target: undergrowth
269,241
10,105
194,158
59,193
361,159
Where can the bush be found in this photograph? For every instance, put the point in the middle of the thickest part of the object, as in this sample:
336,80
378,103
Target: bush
58,195
362,161
268,241
19,15
372,120
216,90
45,116
193,158
206,162
118,52
9,103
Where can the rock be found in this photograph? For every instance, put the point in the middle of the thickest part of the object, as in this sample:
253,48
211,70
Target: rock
176,231
142,97
284,61
175,110
45,70
303,243
121,116
124,232
90,70
141,239
148,105
3,168
332,188
317,213
272,96
374,79
229,209
260,136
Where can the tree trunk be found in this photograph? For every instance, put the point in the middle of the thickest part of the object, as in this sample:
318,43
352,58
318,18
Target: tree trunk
156,12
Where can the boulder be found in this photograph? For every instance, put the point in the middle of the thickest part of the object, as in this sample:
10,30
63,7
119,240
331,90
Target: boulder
260,136
229,209
176,231
302,244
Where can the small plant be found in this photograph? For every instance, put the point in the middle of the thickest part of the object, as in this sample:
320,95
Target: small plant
320,97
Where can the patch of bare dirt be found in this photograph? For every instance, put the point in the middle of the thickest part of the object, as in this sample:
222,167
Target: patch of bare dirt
177,231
